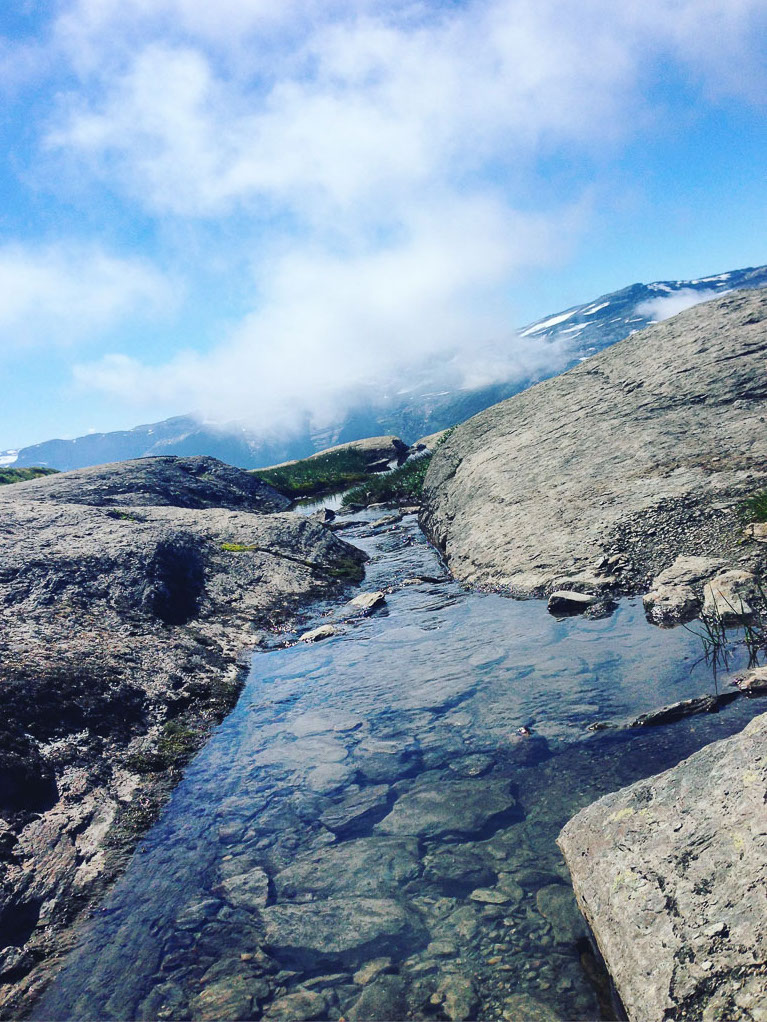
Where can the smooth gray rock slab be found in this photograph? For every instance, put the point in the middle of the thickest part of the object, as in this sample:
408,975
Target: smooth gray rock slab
729,596
356,809
372,867
671,874
642,450
461,807
351,930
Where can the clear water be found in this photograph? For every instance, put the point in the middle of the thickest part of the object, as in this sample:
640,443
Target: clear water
369,799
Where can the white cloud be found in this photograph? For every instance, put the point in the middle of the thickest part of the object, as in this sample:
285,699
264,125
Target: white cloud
63,294
668,306
358,148
431,305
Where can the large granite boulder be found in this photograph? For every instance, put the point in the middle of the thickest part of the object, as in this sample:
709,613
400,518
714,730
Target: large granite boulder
611,470
671,874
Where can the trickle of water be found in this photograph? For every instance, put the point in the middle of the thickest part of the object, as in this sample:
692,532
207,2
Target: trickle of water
367,835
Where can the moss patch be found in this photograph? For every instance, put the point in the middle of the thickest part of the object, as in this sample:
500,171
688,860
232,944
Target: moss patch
21,475
314,477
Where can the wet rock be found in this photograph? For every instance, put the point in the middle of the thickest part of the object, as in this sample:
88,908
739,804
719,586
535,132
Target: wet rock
357,809
726,597
371,867
461,807
228,998
384,762
370,970
249,890
348,930
365,603
320,633
558,907
657,865
490,896
520,1007
165,1001
302,1004
456,864
565,602
314,723
328,777
676,593
471,766
457,995
381,1001
676,711
194,915
669,605
754,681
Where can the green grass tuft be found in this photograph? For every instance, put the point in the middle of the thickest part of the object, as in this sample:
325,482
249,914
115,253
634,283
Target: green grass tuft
317,477
402,486
21,475
237,548
754,509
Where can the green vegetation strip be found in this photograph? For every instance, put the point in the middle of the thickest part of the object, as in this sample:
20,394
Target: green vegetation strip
754,509
21,475
402,486
315,477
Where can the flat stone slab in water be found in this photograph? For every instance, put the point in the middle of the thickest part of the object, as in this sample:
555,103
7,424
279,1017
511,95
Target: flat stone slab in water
463,807
356,808
352,930
372,866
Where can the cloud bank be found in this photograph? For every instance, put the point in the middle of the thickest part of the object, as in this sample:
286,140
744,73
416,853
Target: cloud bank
366,174
659,309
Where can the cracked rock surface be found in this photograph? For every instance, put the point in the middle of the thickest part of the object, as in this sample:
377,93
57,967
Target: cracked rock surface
126,595
599,478
671,874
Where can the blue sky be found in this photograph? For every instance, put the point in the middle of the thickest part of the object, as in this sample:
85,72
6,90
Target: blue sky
256,208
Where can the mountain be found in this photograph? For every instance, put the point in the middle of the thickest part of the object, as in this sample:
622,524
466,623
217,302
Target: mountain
581,330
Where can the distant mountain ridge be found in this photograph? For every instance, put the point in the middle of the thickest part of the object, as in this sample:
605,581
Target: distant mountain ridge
585,329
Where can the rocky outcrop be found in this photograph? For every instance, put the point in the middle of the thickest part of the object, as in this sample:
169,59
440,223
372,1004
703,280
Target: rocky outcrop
600,478
375,449
671,874
126,594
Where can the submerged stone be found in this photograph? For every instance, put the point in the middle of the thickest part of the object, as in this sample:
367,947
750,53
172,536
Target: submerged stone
462,807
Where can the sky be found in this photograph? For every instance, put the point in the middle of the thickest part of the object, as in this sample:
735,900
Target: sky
257,208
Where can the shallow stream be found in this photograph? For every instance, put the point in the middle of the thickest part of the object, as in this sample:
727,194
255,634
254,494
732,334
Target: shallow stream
366,836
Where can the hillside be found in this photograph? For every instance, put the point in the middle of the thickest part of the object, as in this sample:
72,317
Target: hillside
603,475
571,335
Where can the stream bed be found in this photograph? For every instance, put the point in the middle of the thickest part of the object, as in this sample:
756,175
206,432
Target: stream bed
367,836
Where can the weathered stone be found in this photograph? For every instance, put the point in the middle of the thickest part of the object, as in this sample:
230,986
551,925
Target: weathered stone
356,809
249,890
565,602
676,711
371,867
490,896
370,970
757,531
350,930
558,907
521,1007
458,996
659,867
471,766
670,605
645,447
126,594
754,681
381,1001
319,633
456,864
366,603
227,998
727,596
460,807
301,1004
